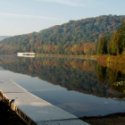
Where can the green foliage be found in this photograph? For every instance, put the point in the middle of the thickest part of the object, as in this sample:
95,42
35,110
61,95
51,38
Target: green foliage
113,45
117,43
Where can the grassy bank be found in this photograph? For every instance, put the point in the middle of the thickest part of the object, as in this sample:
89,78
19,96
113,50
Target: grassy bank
90,57
113,62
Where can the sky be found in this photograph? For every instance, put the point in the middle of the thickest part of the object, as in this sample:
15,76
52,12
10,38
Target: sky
25,16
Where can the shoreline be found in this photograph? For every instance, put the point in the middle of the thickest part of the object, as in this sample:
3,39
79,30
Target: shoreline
111,119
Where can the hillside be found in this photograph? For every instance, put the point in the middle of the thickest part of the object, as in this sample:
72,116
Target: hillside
66,38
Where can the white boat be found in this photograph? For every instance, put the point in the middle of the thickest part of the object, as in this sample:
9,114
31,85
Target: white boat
26,54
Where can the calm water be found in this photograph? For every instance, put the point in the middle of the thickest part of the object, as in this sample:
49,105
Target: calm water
81,87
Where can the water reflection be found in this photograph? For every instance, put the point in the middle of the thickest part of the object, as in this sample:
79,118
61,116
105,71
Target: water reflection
81,87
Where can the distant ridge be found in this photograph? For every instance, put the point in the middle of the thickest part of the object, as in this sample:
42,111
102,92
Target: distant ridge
3,37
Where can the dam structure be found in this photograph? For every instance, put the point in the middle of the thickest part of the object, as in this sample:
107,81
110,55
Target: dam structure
32,109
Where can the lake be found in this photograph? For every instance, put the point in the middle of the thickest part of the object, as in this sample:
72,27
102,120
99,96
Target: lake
84,88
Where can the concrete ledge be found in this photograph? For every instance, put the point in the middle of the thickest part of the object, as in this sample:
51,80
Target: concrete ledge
63,122
34,110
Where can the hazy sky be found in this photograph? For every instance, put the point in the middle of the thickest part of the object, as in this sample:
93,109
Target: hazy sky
24,16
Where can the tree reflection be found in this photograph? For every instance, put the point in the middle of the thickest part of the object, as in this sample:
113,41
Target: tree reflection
115,79
79,75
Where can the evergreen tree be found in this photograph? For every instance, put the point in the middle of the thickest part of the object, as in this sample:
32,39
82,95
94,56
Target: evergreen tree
113,45
102,45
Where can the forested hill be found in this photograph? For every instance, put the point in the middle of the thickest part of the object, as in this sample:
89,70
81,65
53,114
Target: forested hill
61,38
85,30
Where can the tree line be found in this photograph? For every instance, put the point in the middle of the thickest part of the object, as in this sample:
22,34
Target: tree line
114,45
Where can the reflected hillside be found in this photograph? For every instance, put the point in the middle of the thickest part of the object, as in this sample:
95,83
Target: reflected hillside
79,75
